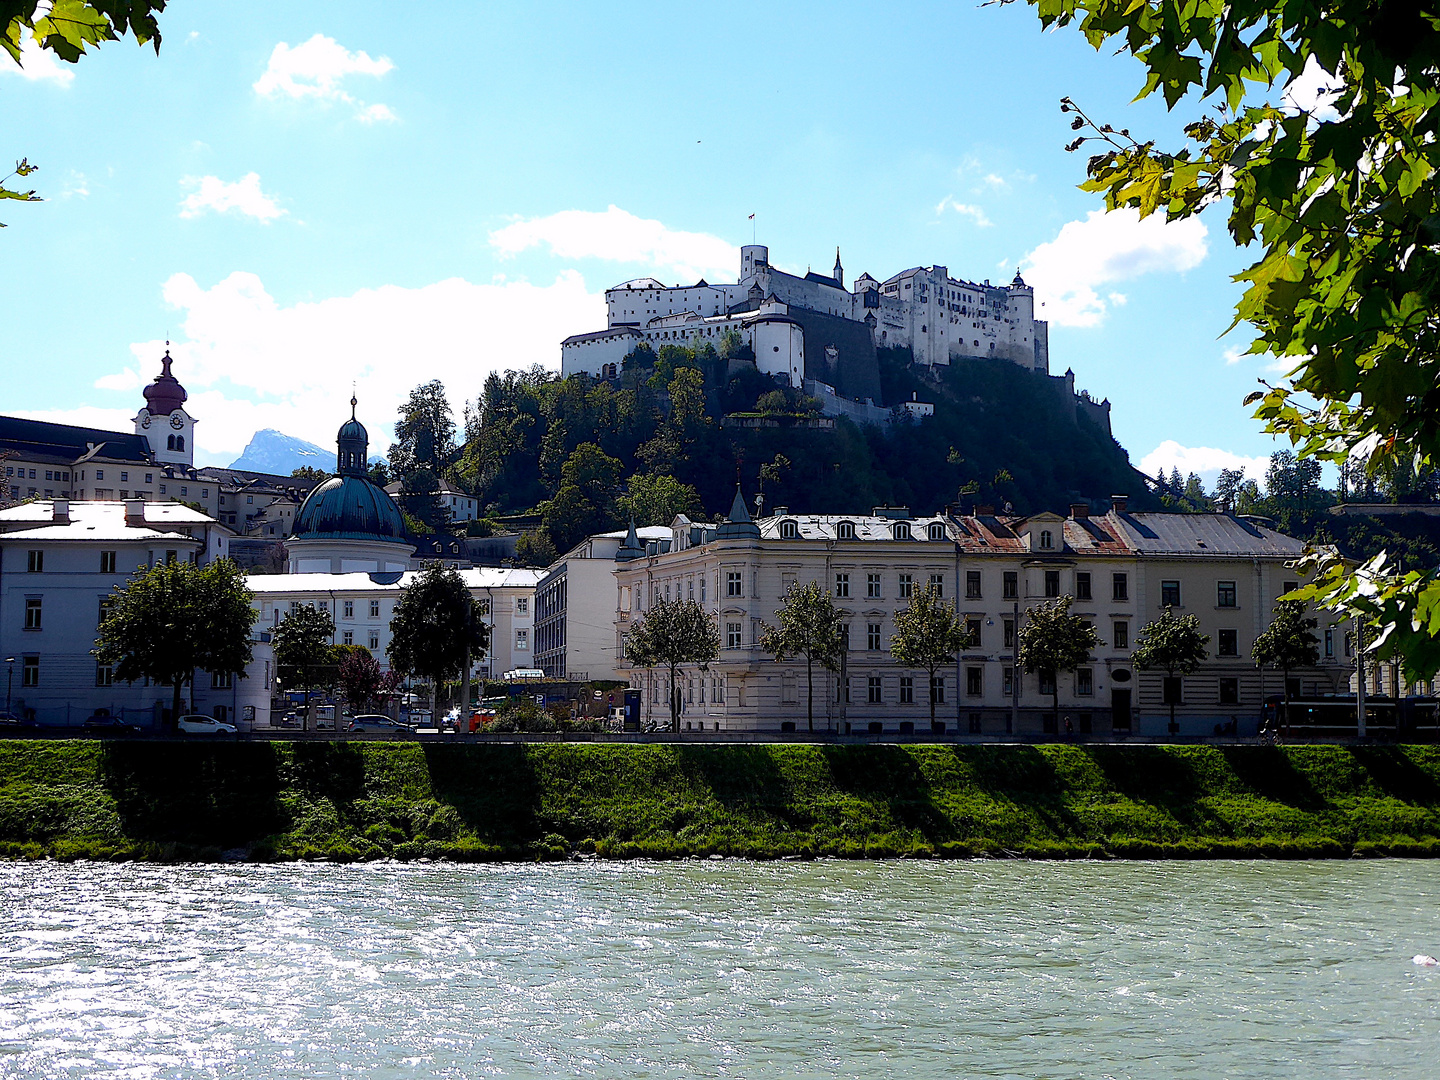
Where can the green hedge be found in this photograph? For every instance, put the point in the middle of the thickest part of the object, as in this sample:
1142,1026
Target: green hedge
353,801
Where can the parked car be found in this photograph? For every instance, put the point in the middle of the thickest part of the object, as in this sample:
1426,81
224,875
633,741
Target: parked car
102,723
376,722
203,725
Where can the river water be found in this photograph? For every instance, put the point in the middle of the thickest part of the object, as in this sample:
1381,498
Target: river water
1004,969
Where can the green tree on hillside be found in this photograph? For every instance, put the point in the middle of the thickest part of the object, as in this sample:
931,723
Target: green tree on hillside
585,501
304,644
1172,644
174,618
928,634
1288,643
1337,191
425,432
656,500
808,624
1053,641
437,628
535,549
673,633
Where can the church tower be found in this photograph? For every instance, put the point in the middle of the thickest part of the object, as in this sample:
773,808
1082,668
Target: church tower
839,274
164,421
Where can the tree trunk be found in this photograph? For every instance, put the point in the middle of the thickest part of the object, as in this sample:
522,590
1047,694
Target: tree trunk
175,706
932,699
810,692
1055,700
674,703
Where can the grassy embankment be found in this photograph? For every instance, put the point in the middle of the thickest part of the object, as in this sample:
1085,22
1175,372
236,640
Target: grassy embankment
270,801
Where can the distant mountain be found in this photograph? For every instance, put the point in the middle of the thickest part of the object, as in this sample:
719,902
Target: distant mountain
272,451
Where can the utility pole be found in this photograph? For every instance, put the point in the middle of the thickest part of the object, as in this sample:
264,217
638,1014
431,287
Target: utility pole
1359,677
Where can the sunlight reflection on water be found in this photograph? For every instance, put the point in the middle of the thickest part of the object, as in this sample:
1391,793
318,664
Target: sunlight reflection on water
676,969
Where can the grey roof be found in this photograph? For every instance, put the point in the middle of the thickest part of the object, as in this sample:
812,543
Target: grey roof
595,335
1204,535
867,527
36,437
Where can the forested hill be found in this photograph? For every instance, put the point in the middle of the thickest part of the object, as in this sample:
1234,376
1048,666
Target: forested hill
587,454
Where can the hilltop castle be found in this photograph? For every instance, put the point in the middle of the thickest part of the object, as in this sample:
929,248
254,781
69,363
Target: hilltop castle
814,332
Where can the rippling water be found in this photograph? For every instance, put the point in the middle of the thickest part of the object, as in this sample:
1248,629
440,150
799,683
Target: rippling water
721,968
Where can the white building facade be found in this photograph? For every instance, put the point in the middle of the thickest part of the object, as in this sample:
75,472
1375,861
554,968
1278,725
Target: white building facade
60,562
938,317
1122,569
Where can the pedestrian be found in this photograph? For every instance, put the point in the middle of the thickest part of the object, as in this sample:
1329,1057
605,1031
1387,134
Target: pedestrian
1069,728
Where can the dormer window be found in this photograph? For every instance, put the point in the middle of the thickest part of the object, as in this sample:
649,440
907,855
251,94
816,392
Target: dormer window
937,531
1047,541
788,530
901,530
845,530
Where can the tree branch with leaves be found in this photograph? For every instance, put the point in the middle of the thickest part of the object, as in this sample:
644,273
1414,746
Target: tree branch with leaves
928,634
671,634
1054,641
808,624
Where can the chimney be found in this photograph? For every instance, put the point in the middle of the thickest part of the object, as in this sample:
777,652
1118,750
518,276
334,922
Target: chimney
1120,504
60,511
135,513
780,511
1079,511
984,510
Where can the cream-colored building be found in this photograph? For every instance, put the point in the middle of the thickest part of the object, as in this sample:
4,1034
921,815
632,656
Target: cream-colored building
1122,569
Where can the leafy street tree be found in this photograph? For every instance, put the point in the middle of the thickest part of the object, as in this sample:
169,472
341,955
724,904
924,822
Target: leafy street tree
436,629
1337,188
655,500
928,634
361,681
425,433
1172,644
673,633
1288,643
303,643
809,625
174,618
66,28
1054,641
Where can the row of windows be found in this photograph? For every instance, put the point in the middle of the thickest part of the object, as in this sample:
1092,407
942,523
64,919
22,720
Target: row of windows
845,530
35,562
874,586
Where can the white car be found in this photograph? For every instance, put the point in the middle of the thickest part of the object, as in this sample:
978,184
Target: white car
203,725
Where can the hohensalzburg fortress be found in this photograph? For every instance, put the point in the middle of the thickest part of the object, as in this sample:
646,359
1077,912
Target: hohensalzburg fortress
802,327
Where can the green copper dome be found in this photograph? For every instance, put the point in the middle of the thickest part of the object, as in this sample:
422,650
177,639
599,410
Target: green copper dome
349,508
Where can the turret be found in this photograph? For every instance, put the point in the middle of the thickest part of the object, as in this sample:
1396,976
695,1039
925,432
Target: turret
839,274
163,419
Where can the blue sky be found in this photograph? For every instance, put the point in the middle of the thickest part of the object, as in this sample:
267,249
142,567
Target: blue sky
298,196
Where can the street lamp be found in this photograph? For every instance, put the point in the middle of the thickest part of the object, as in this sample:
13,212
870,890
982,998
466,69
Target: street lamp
10,685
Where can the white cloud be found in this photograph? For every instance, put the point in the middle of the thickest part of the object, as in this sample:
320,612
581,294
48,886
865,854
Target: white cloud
1206,461
1313,91
317,69
375,114
620,236
250,362
39,65
1233,356
1107,247
126,379
976,213
244,196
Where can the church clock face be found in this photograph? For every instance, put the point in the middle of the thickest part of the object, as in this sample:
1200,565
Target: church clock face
145,421
176,422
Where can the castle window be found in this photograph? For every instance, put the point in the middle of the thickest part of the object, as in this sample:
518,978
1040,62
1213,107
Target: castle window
788,530
179,442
